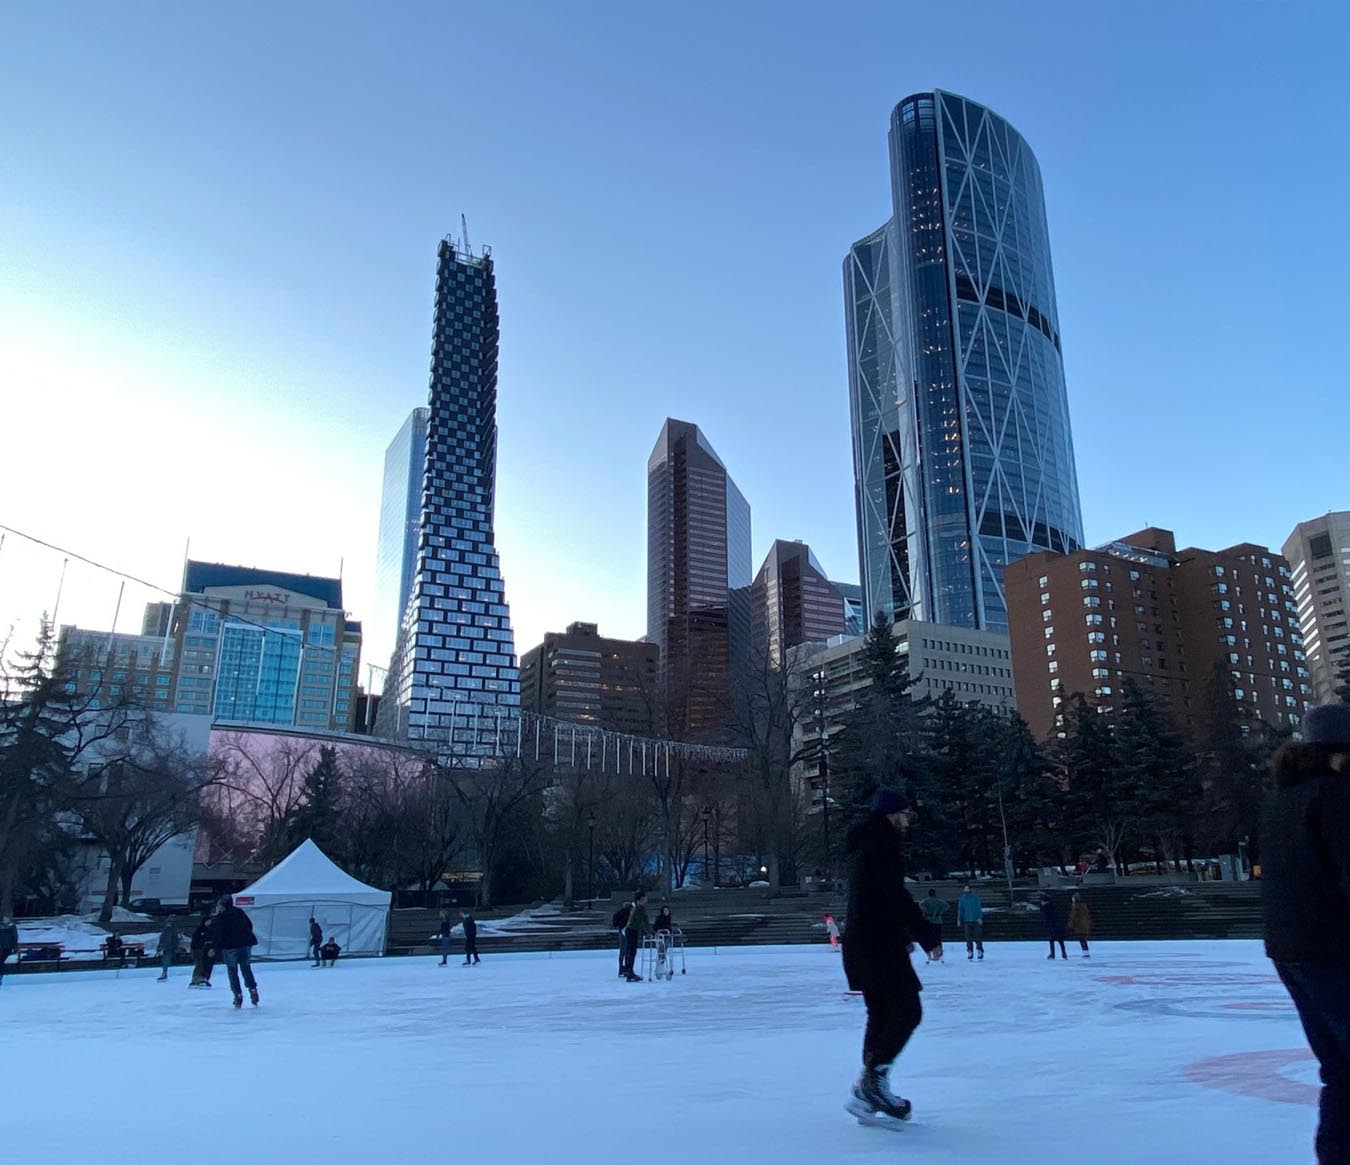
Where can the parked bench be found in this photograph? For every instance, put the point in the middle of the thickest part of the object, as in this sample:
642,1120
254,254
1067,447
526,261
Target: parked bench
40,952
132,951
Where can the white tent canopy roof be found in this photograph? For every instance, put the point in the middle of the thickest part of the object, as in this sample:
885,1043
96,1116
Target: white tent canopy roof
308,873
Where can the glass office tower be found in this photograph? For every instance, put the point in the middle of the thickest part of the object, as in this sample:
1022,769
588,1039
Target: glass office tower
405,462
698,580
454,664
963,457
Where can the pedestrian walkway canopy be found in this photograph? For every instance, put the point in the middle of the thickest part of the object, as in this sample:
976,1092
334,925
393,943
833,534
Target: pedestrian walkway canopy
307,883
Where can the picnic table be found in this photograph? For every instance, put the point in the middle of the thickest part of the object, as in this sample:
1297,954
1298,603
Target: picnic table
40,952
131,951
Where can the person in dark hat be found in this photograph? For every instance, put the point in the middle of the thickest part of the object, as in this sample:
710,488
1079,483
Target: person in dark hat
1305,890
883,923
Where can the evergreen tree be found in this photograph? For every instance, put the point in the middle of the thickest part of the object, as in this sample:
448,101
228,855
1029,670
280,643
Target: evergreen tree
881,741
1235,748
320,811
1027,794
1342,689
961,777
45,731
1098,811
1156,770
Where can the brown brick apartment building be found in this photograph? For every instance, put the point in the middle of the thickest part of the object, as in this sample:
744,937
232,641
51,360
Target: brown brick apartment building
1139,609
581,676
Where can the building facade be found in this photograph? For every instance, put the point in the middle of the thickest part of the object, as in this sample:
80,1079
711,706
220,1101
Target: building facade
698,580
963,457
405,463
454,658
1319,561
581,676
241,645
792,602
1171,621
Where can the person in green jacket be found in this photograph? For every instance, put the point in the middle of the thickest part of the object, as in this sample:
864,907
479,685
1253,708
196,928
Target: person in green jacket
934,911
970,916
633,933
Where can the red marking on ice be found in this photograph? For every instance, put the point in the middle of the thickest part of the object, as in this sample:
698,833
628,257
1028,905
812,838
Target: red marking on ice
1267,1006
1175,980
1255,1074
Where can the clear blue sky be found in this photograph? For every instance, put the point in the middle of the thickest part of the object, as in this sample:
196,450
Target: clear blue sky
218,228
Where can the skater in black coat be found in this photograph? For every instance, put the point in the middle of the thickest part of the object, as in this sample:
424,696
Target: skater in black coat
315,939
203,953
1054,929
883,923
1305,888
470,939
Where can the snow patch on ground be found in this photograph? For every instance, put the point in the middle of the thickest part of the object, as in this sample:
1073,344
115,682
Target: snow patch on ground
79,936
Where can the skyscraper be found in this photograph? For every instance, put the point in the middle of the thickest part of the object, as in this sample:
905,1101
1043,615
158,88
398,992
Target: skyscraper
405,461
1319,557
698,578
455,661
963,459
792,602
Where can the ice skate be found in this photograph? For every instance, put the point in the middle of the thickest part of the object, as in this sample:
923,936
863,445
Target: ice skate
239,1001
874,1104
253,996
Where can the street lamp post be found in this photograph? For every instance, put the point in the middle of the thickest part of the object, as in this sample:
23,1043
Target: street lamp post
707,852
590,859
825,794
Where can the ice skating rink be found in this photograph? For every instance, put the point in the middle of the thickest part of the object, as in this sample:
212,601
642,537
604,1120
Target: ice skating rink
1146,1053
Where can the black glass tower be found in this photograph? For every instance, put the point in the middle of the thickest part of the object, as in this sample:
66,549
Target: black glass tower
454,667
963,457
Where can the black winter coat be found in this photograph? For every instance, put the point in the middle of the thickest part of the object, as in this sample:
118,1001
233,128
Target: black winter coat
470,930
1305,862
883,919
202,936
1054,930
232,930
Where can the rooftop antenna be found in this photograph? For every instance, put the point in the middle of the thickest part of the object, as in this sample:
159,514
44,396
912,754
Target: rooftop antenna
464,228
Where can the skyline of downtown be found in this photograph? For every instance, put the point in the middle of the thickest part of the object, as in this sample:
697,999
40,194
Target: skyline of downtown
567,554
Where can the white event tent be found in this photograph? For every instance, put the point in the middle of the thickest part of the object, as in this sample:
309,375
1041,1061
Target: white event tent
306,883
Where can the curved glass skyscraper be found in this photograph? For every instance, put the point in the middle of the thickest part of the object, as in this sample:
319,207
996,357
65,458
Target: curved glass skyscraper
962,453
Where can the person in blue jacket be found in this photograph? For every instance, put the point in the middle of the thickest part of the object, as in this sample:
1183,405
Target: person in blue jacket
970,917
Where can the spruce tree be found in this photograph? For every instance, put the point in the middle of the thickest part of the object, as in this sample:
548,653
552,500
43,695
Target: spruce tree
882,740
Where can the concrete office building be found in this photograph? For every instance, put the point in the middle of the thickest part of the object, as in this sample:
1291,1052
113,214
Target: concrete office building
1319,561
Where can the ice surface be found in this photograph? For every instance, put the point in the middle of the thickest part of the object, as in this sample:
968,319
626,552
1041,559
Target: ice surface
1146,1053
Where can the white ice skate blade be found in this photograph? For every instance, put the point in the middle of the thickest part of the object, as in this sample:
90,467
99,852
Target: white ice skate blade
865,1116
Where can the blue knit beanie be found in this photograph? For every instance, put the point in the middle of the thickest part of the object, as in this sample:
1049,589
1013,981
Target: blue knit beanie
887,801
